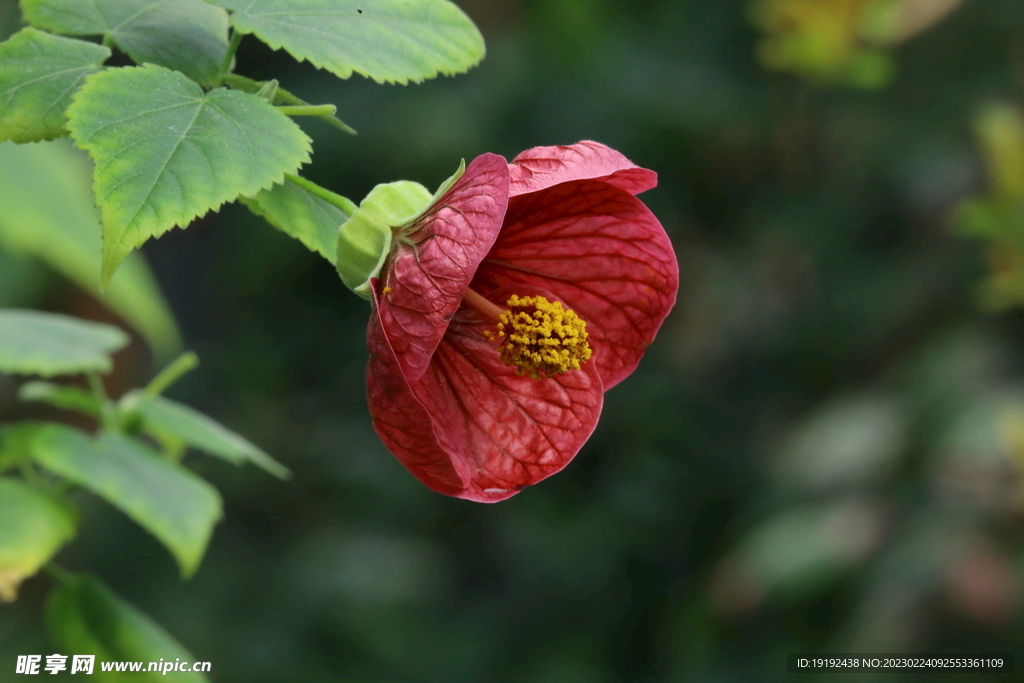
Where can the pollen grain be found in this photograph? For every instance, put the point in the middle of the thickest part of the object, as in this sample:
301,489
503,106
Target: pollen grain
541,338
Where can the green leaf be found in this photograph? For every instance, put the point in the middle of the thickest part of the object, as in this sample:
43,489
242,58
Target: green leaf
16,443
48,344
170,418
65,234
61,396
34,527
170,502
38,75
166,152
298,212
390,41
190,36
85,616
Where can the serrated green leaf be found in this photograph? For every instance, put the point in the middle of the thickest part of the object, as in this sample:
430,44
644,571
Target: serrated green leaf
39,73
299,213
84,615
390,41
166,152
34,527
66,234
170,418
61,396
190,36
170,502
49,344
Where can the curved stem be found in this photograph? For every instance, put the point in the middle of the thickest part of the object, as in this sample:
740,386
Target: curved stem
186,362
240,82
250,86
225,66
346,205
309,110
107,418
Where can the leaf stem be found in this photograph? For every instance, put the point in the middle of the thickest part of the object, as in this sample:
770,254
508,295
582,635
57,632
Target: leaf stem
309,110
283,97
339,124
337,200
225,66
240,82
107,415
108,40
171,374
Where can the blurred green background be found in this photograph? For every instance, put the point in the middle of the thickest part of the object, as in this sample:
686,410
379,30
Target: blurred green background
822,451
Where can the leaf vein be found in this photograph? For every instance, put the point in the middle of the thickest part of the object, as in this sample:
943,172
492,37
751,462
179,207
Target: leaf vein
167,161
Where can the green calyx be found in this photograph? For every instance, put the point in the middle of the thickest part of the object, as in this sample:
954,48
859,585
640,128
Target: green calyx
365,239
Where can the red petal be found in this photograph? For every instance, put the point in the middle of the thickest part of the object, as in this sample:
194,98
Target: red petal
487,432
402,422
543,167
511,431
602,253
427,278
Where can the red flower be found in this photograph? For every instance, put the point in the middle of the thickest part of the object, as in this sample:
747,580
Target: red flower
506,311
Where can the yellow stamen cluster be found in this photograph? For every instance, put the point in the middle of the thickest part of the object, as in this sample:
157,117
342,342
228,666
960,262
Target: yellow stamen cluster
540,338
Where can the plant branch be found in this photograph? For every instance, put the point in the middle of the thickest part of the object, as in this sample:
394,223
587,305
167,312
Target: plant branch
186,362
284,97
240,82
337,200
107,416
309,110
225,66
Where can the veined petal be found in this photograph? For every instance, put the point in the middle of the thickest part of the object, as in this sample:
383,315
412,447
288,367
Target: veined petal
601,252
422,286
543,167
510,431
559,222
402,422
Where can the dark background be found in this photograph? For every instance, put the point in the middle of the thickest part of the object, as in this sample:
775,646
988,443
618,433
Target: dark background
820,452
